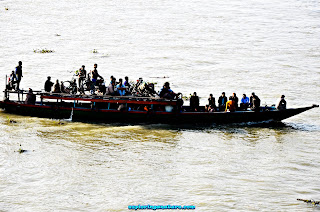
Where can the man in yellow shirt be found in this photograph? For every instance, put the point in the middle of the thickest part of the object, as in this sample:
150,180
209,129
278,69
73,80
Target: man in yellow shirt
231,105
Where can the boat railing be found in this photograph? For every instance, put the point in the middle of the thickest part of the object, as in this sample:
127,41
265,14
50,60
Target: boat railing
91,98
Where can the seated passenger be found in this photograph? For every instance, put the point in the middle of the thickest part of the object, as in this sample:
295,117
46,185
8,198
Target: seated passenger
194,102
111,78
31,98
56,88
254,102
63,89
211,106
121,89
166,92
48,85
222,102
282,104
110,89
235,99
245,102
231,105
126,83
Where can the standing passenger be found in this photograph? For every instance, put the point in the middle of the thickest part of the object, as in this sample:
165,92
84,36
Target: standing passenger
94,74
48,85
82,75
19,74
12,80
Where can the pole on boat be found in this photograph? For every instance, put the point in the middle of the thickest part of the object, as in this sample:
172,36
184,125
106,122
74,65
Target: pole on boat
5,89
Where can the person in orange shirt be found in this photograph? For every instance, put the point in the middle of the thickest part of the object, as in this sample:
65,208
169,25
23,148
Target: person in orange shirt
231,105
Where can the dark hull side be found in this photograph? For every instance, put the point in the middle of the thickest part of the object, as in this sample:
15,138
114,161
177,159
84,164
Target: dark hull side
109,116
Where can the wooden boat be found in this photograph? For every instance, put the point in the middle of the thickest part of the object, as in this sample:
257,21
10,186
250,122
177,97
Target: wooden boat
131,109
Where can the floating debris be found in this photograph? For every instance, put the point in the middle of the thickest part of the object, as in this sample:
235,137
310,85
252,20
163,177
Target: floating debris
105,55
94,51
11,120
21,150
160,77
58,122
6,8
310,201
187,97
43,51
58,35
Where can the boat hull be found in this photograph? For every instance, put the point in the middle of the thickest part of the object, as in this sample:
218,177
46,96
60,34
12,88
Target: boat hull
109,116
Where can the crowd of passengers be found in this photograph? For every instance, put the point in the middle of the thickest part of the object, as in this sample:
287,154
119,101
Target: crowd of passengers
97,85
232,104
121,89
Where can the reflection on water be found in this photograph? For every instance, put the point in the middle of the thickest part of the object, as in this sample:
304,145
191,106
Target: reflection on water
119,133
88,132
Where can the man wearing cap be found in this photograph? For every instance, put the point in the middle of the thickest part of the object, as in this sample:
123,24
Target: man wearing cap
48,85
282,105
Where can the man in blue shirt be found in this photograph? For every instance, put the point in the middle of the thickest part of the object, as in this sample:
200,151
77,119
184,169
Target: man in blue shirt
121,88
244,103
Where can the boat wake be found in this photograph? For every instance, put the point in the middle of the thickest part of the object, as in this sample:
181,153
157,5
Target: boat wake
69,119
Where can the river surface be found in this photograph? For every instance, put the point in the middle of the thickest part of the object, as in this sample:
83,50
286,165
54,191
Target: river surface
208,46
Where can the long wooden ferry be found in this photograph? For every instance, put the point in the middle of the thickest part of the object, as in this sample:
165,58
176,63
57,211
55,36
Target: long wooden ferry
131,109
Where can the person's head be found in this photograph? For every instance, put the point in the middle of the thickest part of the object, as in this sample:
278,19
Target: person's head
282,96
166,84
20,63
244,96
253,94
57,81
195,94
61,82
211,95
12,72
30,90
126,78
83,66
95,65
49,78
234,94
120,81
223,94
